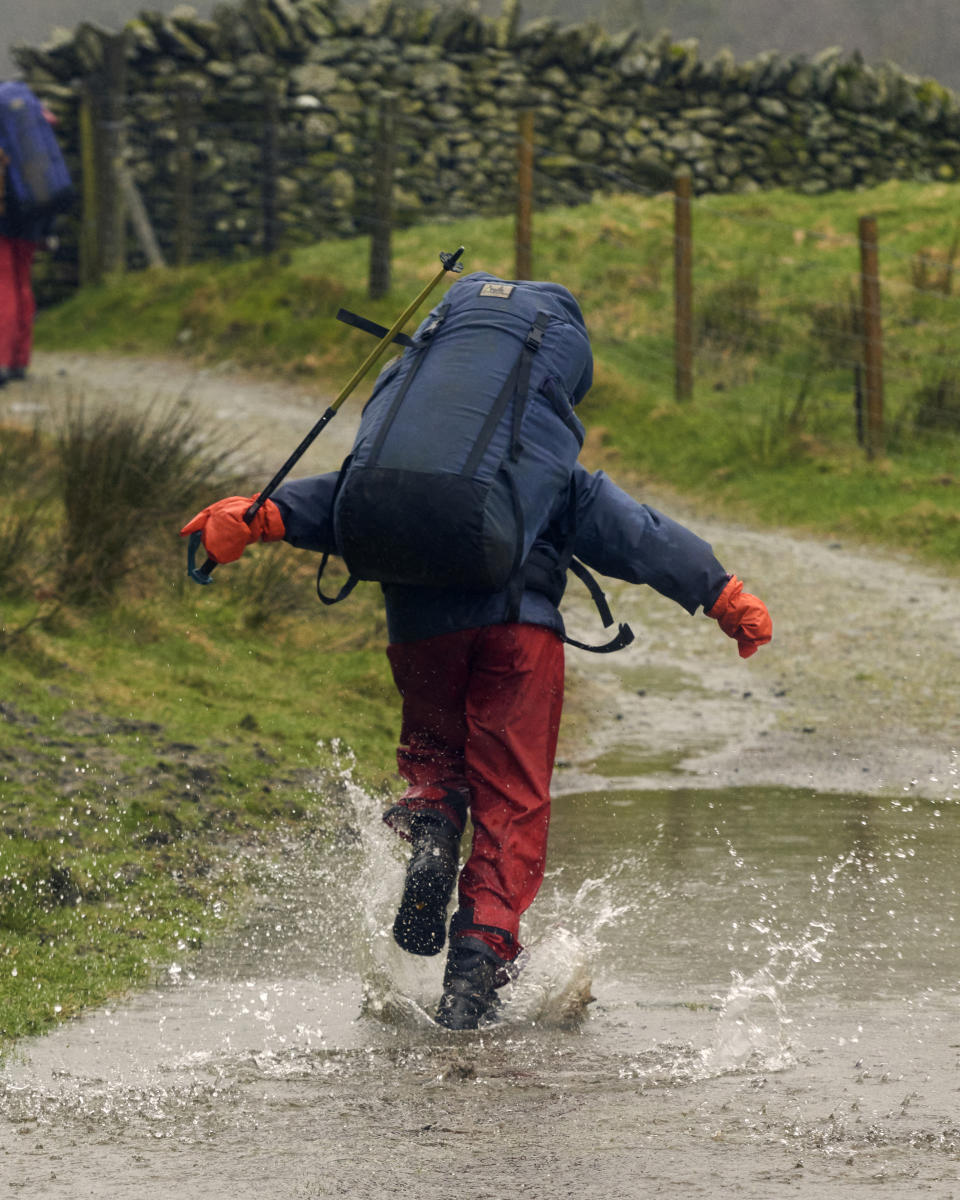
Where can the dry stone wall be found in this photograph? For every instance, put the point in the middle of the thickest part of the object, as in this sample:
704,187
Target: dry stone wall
612,112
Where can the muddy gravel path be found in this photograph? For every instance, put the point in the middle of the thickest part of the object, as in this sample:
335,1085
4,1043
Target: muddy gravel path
775,982
857,692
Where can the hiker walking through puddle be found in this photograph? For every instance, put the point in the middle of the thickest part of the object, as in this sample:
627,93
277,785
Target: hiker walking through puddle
464,498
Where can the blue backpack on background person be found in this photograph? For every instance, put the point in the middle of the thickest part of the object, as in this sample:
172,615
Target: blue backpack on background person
37,183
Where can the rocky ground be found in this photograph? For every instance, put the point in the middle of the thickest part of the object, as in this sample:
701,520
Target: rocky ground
856,693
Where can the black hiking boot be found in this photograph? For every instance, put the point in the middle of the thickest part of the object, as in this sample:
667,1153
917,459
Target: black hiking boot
421,922
469,985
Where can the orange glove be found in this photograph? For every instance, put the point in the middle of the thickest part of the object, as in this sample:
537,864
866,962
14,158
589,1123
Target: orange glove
226,534
743,617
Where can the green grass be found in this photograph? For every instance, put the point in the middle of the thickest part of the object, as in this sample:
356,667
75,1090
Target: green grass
771,432
147,750
155,737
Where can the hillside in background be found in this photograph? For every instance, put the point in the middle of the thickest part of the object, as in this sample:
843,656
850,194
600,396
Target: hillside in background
919,37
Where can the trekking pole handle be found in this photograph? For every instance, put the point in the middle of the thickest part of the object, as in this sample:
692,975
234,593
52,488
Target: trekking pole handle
202,574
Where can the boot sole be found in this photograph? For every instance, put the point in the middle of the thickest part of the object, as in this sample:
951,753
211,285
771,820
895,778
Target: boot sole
421,922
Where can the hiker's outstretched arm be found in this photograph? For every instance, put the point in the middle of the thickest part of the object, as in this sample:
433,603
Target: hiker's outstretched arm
306,506
619,537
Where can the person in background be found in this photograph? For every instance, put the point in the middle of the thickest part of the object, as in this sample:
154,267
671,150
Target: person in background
24,226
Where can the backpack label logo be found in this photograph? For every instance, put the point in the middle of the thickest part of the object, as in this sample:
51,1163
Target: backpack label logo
500,290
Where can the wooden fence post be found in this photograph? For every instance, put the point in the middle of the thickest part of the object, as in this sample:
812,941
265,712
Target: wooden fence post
102,249
524,226
872,335
683,287
88,249
382,231
270,159
185,115
108,142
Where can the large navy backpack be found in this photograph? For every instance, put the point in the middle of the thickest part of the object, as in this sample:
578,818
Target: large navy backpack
468,440
37,180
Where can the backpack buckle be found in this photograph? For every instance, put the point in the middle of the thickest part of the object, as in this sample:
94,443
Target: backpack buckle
535,333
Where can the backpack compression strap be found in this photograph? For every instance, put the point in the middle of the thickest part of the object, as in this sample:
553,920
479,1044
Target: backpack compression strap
368,326
624,635
514,389
551,582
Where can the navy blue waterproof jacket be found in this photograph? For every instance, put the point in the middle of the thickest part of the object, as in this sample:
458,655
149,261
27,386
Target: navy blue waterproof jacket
614,535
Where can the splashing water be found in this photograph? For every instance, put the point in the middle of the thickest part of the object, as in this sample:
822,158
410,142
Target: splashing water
555,986
753,1030
400,990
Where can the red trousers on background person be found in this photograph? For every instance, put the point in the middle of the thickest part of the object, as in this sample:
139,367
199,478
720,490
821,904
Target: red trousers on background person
481,714
17,307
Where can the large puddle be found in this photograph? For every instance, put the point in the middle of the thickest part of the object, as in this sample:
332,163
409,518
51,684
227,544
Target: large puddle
754,989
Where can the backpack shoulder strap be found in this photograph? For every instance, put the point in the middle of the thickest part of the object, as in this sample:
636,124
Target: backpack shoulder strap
624,635
343,593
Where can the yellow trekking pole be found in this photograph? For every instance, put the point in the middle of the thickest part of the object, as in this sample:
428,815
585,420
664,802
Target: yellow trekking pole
450,263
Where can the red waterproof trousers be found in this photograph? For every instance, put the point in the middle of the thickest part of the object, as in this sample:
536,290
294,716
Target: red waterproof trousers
481,713
16,303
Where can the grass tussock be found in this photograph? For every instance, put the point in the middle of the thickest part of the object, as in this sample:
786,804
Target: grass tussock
123,478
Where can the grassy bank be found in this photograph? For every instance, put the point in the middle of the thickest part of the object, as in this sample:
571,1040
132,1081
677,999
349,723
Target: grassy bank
771,431
148,753
155,737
